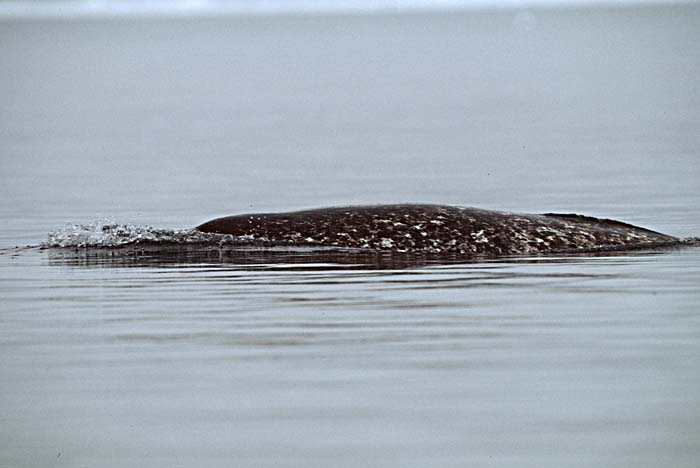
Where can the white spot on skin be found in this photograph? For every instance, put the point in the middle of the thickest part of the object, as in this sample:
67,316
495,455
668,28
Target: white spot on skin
479,237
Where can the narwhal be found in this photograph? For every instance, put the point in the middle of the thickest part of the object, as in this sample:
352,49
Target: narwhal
437,229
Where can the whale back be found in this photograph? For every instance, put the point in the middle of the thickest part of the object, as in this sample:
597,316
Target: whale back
437,228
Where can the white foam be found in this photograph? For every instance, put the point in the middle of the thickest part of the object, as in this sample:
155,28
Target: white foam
105,233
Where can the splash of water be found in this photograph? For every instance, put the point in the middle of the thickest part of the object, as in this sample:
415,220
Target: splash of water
691,241
109,234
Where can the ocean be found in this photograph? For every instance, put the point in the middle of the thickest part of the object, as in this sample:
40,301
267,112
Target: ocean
300,358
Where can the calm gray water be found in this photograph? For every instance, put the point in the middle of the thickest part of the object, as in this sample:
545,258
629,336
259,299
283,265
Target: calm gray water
301,359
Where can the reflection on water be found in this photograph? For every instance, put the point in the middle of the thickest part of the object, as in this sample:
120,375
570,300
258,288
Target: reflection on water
289,258
301,358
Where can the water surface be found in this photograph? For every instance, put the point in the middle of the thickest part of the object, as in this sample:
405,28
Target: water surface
300,358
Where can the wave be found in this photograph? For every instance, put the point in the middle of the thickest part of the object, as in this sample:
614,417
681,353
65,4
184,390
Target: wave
106,234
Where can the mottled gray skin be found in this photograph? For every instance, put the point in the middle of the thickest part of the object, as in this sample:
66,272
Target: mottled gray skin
437,229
